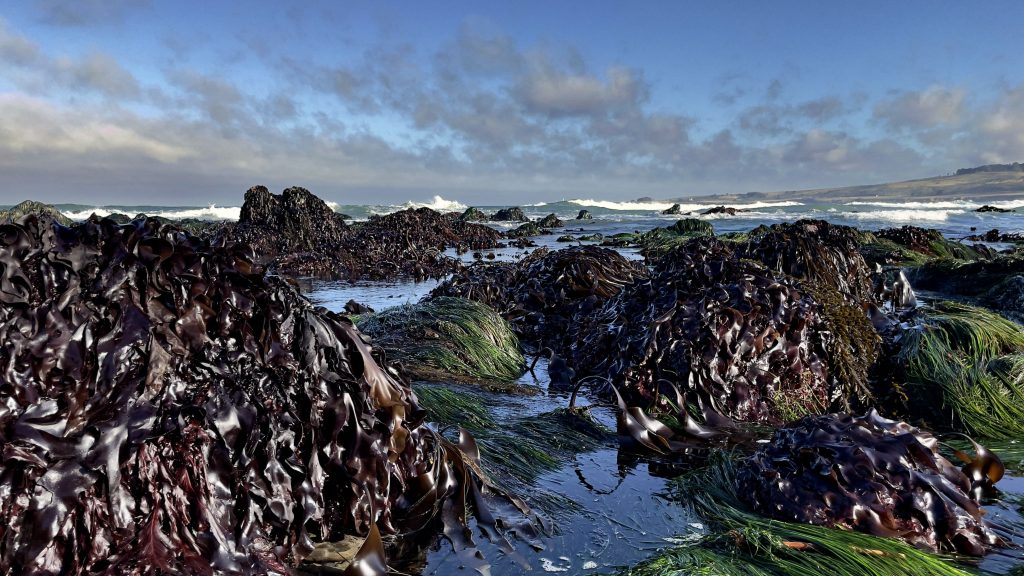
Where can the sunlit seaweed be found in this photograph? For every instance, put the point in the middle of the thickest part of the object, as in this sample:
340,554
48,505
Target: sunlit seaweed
170,408
737,542
963,367
447,338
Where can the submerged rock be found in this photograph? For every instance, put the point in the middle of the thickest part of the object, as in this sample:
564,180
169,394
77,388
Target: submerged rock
170,408
16,212
584,215
873,475
514,214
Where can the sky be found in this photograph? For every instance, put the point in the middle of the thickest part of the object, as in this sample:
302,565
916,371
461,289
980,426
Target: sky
191,103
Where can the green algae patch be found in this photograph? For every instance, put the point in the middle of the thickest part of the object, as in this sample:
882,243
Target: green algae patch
447,339
963,367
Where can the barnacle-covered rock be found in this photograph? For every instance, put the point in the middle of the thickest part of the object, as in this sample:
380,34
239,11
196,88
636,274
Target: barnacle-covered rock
168,408
874,475
736,338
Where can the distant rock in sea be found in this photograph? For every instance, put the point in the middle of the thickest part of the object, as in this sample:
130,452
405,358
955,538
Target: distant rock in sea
987,208
723,210
514,214
584,215
14,213
473,214
674,210
550,221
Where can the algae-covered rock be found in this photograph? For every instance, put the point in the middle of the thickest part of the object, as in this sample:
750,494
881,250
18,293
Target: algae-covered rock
514,214
869,474
736,338
170,408
550,221
16,212
473,214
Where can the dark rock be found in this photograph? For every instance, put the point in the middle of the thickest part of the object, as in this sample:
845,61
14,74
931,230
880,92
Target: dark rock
473,214
674,210
550,221
723,210
584,215
353,307
528,229
119,218
514,214
16,212
867,474
987,208
566,238
958,278
296,233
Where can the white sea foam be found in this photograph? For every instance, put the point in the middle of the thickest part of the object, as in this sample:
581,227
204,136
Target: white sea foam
437,203
211,212
904,215
657,205
940,204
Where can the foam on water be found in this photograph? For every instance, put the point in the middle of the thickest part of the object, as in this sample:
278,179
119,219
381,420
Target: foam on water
211,212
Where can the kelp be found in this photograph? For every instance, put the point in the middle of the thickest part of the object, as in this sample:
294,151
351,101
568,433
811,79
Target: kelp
447,339
873,475
547,296
736,338
817,251
169,408
733,541
962,367
298,234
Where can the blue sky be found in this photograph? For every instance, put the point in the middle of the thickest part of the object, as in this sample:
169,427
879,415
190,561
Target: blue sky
135,101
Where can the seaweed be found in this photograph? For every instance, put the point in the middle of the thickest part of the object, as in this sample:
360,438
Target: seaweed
873,475
962,366
817,251
736,338
447,339
167,407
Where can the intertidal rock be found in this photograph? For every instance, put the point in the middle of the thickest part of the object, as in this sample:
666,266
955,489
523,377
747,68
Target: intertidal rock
547,296
736,338
16,212
675,209
514,214
817,251
298,234
550,221
524,230
168,408
473,214
584,215
873,475
997,210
